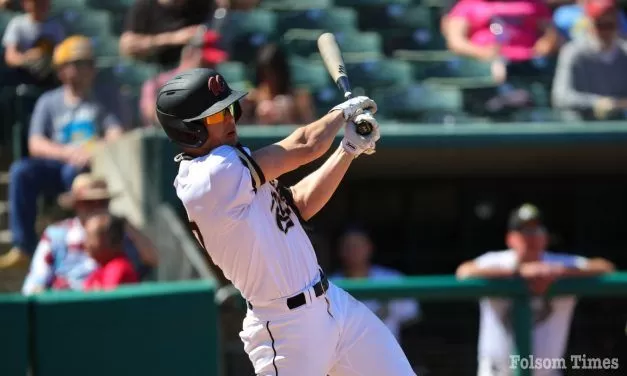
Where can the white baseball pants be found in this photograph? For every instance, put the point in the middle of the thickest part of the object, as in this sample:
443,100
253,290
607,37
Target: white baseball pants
333,335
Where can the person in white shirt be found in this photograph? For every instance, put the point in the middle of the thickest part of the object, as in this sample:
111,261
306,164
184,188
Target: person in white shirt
298,323
355,251
526,257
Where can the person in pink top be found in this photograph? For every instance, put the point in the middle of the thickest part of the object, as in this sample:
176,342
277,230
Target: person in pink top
495,30
202,51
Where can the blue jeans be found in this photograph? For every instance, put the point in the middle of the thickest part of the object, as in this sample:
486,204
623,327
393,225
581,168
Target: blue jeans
30,178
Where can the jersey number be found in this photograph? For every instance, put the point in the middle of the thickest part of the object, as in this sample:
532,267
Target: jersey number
197,234
282,212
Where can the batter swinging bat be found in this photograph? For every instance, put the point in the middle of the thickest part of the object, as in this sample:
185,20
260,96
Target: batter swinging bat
332,57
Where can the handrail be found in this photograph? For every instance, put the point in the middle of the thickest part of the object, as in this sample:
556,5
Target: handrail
447,287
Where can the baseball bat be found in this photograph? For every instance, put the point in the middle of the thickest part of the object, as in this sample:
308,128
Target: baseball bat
332,57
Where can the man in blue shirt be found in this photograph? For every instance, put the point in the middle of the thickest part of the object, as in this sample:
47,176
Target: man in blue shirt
68,123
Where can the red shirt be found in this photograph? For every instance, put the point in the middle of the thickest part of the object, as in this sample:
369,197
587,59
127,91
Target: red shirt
112,274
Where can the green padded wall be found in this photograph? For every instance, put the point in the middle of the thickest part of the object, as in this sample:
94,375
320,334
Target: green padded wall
15,333
149,329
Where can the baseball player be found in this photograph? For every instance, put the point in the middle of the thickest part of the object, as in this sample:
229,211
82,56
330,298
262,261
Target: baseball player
297,323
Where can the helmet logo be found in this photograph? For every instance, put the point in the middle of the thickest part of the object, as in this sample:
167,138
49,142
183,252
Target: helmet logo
216,85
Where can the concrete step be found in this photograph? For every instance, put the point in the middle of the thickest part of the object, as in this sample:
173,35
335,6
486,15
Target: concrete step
4,185
5,241
4,215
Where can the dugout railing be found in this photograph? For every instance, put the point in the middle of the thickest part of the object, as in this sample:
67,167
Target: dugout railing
172,327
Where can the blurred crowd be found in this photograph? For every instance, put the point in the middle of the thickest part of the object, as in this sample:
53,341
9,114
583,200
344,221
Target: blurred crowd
575,48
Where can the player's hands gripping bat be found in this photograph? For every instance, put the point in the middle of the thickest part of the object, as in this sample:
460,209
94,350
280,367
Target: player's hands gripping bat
332,57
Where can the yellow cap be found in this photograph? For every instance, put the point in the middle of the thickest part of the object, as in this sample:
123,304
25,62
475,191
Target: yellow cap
76,47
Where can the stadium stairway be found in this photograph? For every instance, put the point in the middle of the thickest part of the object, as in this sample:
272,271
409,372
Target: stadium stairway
10,281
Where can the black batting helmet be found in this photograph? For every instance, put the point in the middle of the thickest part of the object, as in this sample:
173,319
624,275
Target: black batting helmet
189,97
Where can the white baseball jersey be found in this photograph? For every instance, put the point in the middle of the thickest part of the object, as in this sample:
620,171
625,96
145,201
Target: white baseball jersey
249,227
552,319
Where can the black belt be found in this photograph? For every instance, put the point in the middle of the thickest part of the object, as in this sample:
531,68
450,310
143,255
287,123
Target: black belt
298,300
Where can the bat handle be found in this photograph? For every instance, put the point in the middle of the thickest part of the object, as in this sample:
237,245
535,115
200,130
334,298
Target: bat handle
363,128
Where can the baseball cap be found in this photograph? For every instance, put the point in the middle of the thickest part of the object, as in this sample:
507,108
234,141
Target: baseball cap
597,8
208,42
523,215
74,48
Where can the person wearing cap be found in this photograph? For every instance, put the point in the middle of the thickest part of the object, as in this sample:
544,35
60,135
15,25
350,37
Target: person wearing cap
528,258
28,42
203,51
67,125
61,261
590,70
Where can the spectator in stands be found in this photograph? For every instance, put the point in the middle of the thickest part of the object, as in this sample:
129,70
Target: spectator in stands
590,74
68,123
104,242
571,20
157,30
526,257
61,260
514,35
274,100
29,42
201,52
355,250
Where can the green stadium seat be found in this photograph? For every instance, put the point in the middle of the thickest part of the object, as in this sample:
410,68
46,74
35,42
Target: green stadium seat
247,31
331,19
379,73
354,45
309,75
134,73
110,5
58,6
106,46
412,40
86,22
288,5
5,18
359,42
234,73
325,98
411,101
369,3
395,16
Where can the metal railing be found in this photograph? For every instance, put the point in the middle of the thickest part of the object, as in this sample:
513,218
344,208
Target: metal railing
449,288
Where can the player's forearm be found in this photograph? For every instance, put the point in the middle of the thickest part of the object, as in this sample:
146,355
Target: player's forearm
472,271
593,267
315,190
319,135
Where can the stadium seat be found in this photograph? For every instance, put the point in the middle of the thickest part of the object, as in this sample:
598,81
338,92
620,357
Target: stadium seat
412,101
395,16
379,73
327,97
234,72
309,75
331,19
58,6
246,31
368,3
106,47
5,18
86,22
289,5
354,45
110,5
412,40
545,114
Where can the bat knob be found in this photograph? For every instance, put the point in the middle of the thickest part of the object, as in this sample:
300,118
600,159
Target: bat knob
364,128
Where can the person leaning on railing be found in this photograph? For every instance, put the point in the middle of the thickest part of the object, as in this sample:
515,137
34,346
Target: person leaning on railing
527,258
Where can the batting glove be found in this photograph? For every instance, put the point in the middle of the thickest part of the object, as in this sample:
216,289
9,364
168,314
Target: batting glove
356,144
356,106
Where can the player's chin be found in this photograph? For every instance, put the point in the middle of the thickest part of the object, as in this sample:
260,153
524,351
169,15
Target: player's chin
232,138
